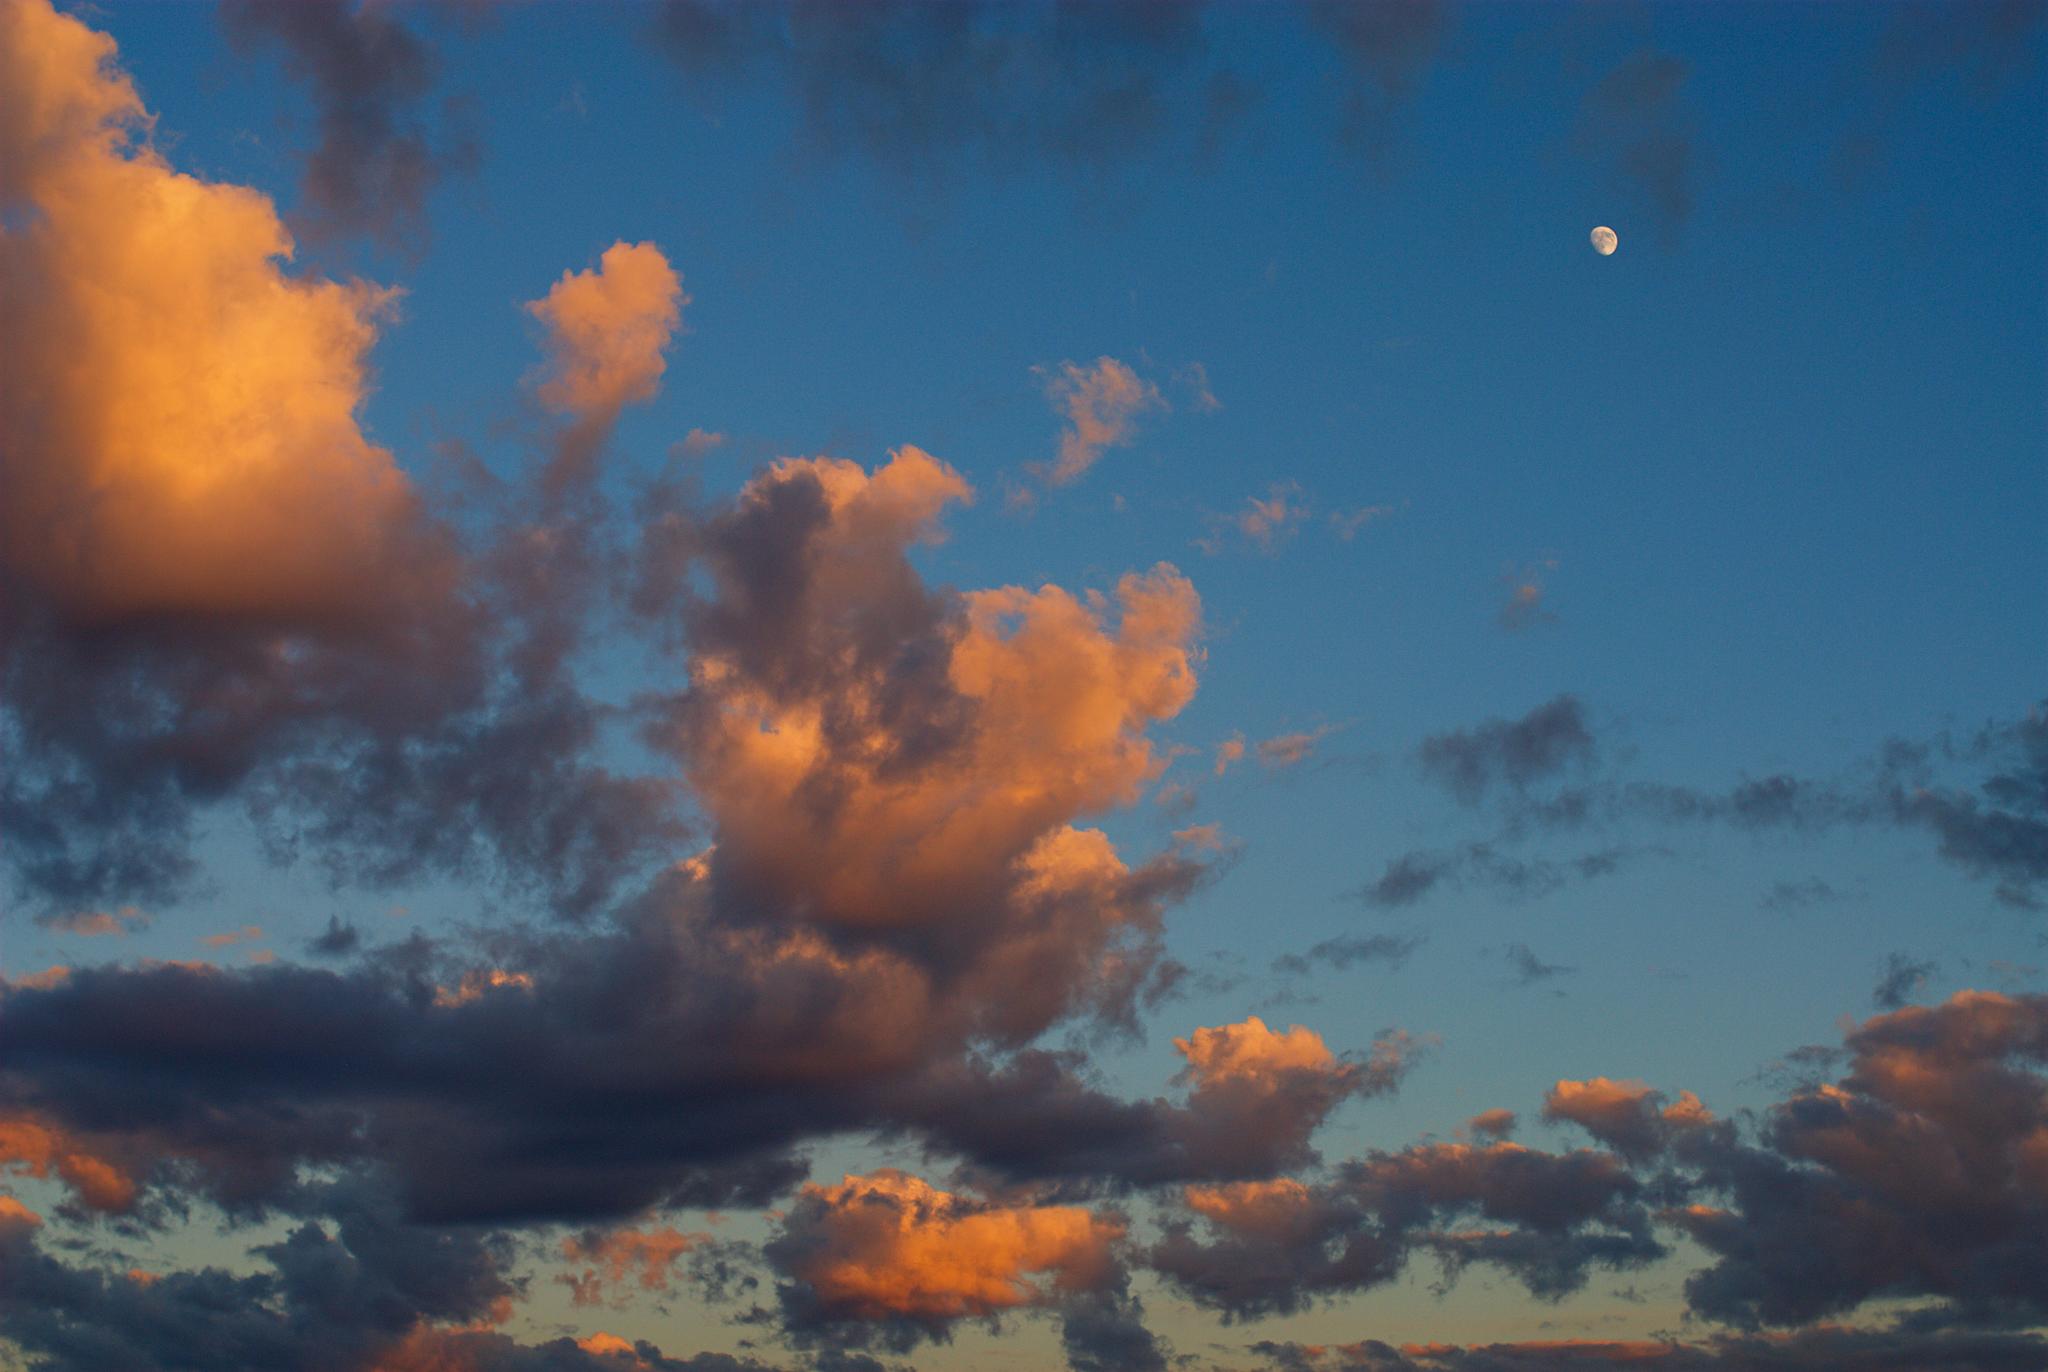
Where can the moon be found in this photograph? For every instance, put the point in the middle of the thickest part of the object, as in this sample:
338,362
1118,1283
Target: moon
1604,241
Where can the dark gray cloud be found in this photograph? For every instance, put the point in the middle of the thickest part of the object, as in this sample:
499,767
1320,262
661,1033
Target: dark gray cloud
1901,979
1540,745
1547,1219
1347,951
921,90
1528,969
1635,120
1984,797
1411,876
1388,50
375,162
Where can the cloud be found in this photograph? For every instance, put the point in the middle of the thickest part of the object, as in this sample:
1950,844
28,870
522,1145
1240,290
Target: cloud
245,934
923,93
1388,49
1409,877
1264,524
1921,1173
605,331
375,163
888,1256
1492,1124
1345,952
1275,1247
1290,750
842,719
39,1150
180,413
1540,745
203,554
1902,978
1530,969
1636,121
647,1257
1627,1116
1101,404
96,923
1525,605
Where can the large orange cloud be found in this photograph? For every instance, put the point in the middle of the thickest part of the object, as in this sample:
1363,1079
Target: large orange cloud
891,1246
178,426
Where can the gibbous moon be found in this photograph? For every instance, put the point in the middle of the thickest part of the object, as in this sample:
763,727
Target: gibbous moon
1604,241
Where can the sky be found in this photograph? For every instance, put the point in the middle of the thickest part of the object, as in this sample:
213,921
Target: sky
830,687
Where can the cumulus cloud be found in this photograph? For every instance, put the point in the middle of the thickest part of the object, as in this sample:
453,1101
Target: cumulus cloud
1628,1116
890,1257
180,412
842,722
1275,1247
203,553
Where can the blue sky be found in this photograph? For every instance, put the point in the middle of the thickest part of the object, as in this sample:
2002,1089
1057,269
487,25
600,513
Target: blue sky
1772,474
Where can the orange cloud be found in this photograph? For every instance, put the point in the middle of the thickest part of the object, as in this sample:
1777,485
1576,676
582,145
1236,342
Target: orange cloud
889,1245
179,413
1251,1051
1626,1115
1101,404
806,777
32,1148
245,934
607,329
96,923
613,1257
478,983
1279,1209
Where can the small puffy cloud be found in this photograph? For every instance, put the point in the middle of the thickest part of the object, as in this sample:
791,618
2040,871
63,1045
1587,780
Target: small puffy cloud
1264,524
1525,605
1290,750
698,442
248,933
891,1251
606,331
1229,752
1101,404
1492,1124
